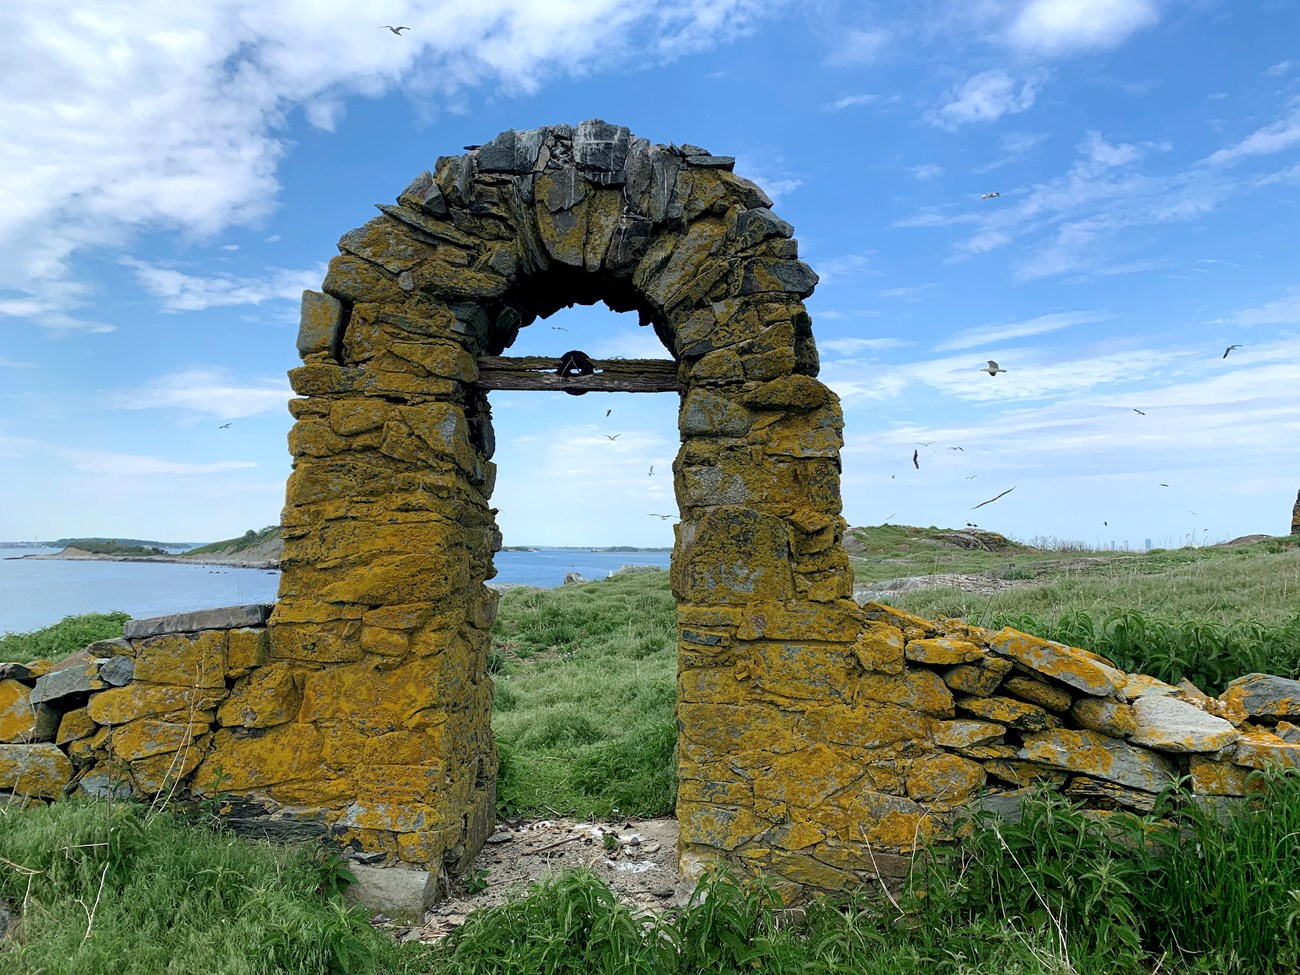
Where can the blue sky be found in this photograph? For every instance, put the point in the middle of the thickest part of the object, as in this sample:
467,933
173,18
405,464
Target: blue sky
172,178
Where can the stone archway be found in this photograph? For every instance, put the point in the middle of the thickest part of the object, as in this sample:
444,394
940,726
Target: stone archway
389,535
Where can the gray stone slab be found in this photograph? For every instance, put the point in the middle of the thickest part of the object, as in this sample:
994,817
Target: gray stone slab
81,677
14,671
1094,754
117,671
600,146
713,162
1265,696
320,325
225,618
1170,725
401,893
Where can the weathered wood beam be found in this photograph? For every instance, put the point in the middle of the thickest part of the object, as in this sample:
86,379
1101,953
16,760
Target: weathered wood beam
612,375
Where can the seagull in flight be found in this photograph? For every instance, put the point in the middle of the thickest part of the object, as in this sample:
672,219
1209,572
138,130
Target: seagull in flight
962,449
992,368
1164,485
990,196
924,443
395,30
970,477
995,497
614,437
558,328
1229,349
1138,412
665,517
608,412
915,462
652,471
224,426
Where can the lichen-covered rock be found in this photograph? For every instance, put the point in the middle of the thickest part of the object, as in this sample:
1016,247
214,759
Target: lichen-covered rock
1107,715
1264,696
963,733
1098,756
942,650
1069,665
944,778
982,679
1170,725
40,769
1261,750
1008,711
17,717
1037,692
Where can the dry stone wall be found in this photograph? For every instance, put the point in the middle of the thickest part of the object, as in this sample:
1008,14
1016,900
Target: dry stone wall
819,741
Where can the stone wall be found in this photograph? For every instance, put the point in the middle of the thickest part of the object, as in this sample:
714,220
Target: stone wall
824,751
1295,515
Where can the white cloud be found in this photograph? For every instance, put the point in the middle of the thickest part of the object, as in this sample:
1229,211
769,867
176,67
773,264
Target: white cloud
927,171
111,464
1279,69
1282,134
1283,311
914,292
769,174
230,247
835,269
857,47
1062,27
852,100
985,97
1101,152
273,239
989,334
187,292
182,107
854,347
206,391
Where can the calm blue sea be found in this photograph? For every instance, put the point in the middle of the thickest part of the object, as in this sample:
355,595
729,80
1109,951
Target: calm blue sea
37,593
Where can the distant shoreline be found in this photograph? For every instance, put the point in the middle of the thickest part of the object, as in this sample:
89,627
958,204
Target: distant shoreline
80,555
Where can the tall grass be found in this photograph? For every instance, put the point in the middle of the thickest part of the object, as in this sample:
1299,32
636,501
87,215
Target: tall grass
69,635
583,706
112,889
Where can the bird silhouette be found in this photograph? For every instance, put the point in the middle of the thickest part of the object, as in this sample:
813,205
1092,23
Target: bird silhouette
1164,485
971,524
962,449
665,517
970,477
395,30
916,463
1229,349
990,196
992,368
995,497
224,426
1138,412
608,412
614,437
652,471
1105,524
924,443
558,328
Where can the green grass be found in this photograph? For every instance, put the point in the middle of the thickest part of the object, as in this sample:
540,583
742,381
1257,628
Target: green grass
69,635
583,708
113,889
250,539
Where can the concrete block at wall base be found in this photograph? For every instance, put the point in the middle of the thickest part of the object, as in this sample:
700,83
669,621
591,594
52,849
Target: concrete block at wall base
400,892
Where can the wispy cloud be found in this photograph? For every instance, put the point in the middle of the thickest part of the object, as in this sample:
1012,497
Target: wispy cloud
771,174
927,171
1279,69
112,464
208,392
912,292
188,292
1282,134
1283,311
855,347
985,335
985,97
833,270
851,100
857,47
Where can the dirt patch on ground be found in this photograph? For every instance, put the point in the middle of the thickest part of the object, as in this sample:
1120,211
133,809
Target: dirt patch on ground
637,859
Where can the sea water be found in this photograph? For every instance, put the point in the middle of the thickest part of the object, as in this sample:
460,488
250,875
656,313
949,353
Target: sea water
35,593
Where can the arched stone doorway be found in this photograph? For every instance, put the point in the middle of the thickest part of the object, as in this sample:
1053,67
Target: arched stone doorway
389,533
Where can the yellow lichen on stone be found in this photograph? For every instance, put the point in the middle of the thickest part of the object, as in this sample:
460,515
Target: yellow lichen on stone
948,779
17,718
197,660
271,695
149,736
240,761
74,724
34,770
370,696
880,647
118,705
246,649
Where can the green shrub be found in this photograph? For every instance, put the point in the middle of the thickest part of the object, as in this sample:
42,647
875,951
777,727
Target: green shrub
69,635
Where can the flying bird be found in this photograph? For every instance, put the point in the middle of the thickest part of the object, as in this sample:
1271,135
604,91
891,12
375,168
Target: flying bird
995,497
970,477
962,449
1164,485
924,443
652,471
1229,349
608,412
1138,412
558,328
224,426
1105,524
665,517
614,437
916,463
990,196
395,30
992,368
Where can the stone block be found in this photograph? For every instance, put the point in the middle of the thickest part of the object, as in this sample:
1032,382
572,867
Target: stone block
17,717
402,893
1094,754
1106,715
1170,725
1073,667
1008,711
320,327
1037,692
269,696
34,770
225,618
978,679
948,779
942,651
77,674
1264,696
197,660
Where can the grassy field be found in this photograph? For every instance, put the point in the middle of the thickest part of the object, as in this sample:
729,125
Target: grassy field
584,697
69,635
